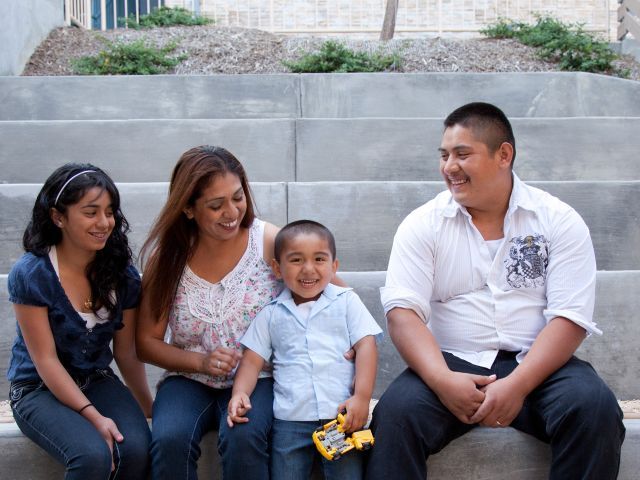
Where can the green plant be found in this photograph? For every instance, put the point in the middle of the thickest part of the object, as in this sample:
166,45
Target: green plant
503,28
164,17
336,57
569,45
135,58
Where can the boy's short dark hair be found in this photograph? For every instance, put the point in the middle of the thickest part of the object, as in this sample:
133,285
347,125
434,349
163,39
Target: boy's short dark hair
299,227
488,123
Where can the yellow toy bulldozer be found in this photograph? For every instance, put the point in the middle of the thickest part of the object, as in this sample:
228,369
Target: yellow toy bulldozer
332,442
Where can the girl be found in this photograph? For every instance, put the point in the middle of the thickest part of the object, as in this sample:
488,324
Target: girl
74,291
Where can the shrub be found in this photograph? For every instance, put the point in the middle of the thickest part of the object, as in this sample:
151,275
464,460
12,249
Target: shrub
135,58
569,45
165,17
336,57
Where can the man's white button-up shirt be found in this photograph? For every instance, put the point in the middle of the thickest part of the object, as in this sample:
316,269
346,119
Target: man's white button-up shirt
475,304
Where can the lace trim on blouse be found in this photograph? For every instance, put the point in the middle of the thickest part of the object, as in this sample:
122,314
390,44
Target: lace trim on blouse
208,301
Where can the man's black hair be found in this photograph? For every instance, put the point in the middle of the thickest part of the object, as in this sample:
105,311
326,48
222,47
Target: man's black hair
487,122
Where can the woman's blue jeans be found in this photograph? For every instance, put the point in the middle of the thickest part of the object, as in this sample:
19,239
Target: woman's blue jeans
294,454
184,410
74,442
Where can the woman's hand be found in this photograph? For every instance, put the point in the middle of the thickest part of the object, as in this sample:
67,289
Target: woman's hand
221,362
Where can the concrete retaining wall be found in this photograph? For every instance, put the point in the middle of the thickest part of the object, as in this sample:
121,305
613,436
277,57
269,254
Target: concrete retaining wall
352,95
23,25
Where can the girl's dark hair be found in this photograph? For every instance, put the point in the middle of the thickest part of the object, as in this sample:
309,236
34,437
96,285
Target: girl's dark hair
173,237
108,269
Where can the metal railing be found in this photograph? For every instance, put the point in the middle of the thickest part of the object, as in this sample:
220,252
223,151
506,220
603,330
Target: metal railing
103,14
78,12
629,19
362,16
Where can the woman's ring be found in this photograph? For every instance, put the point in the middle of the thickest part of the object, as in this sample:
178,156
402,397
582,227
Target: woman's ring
497,422
218,364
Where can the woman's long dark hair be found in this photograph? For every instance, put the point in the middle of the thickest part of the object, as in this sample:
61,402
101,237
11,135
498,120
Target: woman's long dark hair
108,269
173,236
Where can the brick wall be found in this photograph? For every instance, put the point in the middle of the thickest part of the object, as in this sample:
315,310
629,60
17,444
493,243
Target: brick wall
414,16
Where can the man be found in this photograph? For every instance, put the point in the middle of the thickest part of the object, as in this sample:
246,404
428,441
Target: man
489,291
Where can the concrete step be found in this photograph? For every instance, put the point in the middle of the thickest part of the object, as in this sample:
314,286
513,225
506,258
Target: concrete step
586,148
504,454
364,216
314,95
614,355
141,202
437,94
407,149
143,150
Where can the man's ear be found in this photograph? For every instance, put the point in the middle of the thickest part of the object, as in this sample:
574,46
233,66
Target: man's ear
275,266
506,154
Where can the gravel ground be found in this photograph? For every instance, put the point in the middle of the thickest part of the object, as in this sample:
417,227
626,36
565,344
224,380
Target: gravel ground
213,50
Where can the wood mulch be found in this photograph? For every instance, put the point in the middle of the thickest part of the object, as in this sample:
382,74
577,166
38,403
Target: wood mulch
230,50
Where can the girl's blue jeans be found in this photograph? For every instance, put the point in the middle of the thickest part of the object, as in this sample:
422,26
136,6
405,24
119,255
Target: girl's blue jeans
73,441
184,410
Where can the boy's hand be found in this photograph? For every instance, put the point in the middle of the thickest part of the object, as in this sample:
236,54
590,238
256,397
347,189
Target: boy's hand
357,408
238,407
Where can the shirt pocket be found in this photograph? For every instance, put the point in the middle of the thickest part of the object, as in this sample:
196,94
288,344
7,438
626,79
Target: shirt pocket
526,262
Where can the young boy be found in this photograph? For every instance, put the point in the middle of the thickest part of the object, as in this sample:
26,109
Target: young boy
304,334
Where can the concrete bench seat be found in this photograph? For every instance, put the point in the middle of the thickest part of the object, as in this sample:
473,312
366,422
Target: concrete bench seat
504,454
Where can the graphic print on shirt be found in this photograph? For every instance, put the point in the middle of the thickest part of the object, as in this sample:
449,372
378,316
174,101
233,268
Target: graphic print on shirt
527,262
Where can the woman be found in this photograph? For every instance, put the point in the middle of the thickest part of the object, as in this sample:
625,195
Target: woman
74,291
206,277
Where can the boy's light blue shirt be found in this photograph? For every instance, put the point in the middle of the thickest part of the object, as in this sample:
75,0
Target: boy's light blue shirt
311,375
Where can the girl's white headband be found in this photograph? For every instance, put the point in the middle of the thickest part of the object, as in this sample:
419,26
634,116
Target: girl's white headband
69,181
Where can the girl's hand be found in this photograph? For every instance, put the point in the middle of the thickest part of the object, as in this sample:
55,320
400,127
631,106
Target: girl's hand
106,427
221,362
238,407
357,413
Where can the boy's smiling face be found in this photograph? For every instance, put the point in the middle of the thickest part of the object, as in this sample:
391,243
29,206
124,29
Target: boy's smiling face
306,266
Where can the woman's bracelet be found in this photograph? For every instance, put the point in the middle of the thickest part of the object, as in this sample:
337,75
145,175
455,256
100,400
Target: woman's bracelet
86,406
